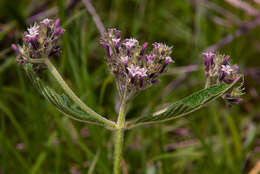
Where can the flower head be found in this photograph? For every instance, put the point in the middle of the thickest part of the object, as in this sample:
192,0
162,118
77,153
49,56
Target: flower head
219,70
134,70
40,41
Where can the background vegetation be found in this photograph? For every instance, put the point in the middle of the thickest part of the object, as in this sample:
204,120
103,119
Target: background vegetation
35,138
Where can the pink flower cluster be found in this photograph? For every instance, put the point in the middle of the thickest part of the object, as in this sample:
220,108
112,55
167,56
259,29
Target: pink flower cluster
40,41
134,70
218,69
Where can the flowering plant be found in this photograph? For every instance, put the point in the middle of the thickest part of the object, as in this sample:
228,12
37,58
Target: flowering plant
134,68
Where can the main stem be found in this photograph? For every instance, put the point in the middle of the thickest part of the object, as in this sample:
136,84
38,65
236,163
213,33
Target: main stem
74,97
119,137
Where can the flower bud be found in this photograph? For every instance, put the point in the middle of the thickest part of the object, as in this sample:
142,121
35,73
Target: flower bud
143,48
16,49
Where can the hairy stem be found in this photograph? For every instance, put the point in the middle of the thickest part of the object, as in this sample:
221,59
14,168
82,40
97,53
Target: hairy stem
119,137
75,98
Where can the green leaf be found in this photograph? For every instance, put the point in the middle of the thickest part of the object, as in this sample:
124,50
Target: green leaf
61,102
184,106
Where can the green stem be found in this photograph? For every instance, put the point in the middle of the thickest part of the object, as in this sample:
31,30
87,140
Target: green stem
208,80
75,98
35,60
119,138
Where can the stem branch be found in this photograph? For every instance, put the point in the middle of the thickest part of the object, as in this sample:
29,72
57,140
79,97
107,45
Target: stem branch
73,96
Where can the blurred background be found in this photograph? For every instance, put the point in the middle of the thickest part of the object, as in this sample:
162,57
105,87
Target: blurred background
37,139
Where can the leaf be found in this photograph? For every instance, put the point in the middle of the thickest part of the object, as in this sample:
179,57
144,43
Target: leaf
61,102
185,106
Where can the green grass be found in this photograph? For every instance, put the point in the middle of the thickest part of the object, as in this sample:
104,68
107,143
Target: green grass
224,138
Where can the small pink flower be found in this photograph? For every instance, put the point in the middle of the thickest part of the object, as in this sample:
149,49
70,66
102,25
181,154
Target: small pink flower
46,21
208,60
15,48
226,69
209,54
235,67
124,59
150,58
156,45
116,41
130,43
113,33
137,71
168,60
142,72
144,47
33,32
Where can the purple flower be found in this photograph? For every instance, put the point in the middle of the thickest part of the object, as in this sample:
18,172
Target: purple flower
150,58
161,49
143,48
57,29
33,32
226,60
46,21
107,48
235,68
130,43
116,41
225,71
16,49
137,71
208,60
168,60
209,54
124,59
156,45
113,33
56,23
